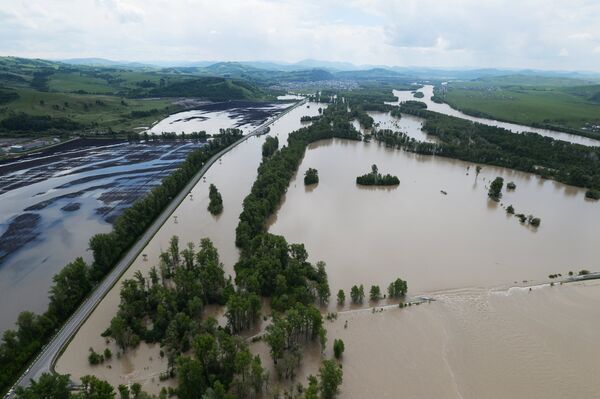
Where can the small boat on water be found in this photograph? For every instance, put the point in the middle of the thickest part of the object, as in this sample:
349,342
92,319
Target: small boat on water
443,192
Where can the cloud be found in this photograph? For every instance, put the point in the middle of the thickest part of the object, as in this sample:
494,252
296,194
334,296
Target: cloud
493,33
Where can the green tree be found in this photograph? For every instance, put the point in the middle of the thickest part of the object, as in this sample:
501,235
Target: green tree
375,293
330,375
495,191
95,388
341,297
48,386
338,348
215,205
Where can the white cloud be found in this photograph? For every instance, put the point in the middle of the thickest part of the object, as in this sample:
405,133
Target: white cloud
528,33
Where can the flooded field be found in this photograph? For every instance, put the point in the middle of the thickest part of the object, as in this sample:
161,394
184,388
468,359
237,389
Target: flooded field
475,340
211,117
371,235
53,202
444,108
233,176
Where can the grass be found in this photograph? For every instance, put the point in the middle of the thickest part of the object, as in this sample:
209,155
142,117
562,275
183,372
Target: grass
102,99
101,111
565,104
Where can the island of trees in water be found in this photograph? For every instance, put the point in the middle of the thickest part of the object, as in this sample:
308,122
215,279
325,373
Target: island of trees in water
215,205
311,176
377,179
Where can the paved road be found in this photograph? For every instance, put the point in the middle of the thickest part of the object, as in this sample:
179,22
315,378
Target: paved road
44,362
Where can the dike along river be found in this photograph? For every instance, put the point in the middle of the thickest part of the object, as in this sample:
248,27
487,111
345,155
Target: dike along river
53,202
485,335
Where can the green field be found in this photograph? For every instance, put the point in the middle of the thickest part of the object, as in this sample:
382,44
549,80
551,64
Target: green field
39,97
559,103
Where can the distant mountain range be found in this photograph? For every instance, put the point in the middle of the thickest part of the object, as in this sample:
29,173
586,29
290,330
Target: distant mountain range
325,70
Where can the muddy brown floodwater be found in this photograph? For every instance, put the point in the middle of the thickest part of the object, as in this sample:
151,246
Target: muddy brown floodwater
434,241
233,176
475,340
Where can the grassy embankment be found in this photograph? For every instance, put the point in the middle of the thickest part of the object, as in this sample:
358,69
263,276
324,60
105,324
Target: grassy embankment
570,105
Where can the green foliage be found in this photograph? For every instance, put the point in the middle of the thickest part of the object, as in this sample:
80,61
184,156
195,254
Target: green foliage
375,293
48,386
211,88
215,205
362,117
495,191
413,104
243,310
95,358
592,194
357,294
338,348
377,179
341,297
270,146
511,186
510,210
311,176
559,160
7,96
330,375
188,280
397,288
288,331
23,122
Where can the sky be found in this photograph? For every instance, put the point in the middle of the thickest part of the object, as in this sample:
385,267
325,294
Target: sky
540,34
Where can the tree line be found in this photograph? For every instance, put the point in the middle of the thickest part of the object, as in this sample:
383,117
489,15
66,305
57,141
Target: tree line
75,281
559,160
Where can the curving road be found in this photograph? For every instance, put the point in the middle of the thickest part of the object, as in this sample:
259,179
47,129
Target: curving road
45,360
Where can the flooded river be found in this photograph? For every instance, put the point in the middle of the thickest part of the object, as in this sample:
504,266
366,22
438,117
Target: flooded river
370,235
475,344
444,108
233,176
476,340
51,204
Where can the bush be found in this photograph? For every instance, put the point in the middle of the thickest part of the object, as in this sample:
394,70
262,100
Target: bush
338,348
592,194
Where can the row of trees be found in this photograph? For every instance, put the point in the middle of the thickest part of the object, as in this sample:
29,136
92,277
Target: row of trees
269,266
77,279
562,161
396,289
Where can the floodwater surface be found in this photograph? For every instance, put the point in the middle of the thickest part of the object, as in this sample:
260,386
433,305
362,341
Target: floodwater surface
440,232
435,241
233,175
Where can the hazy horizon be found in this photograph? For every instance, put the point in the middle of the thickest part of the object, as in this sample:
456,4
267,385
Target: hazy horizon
409,33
